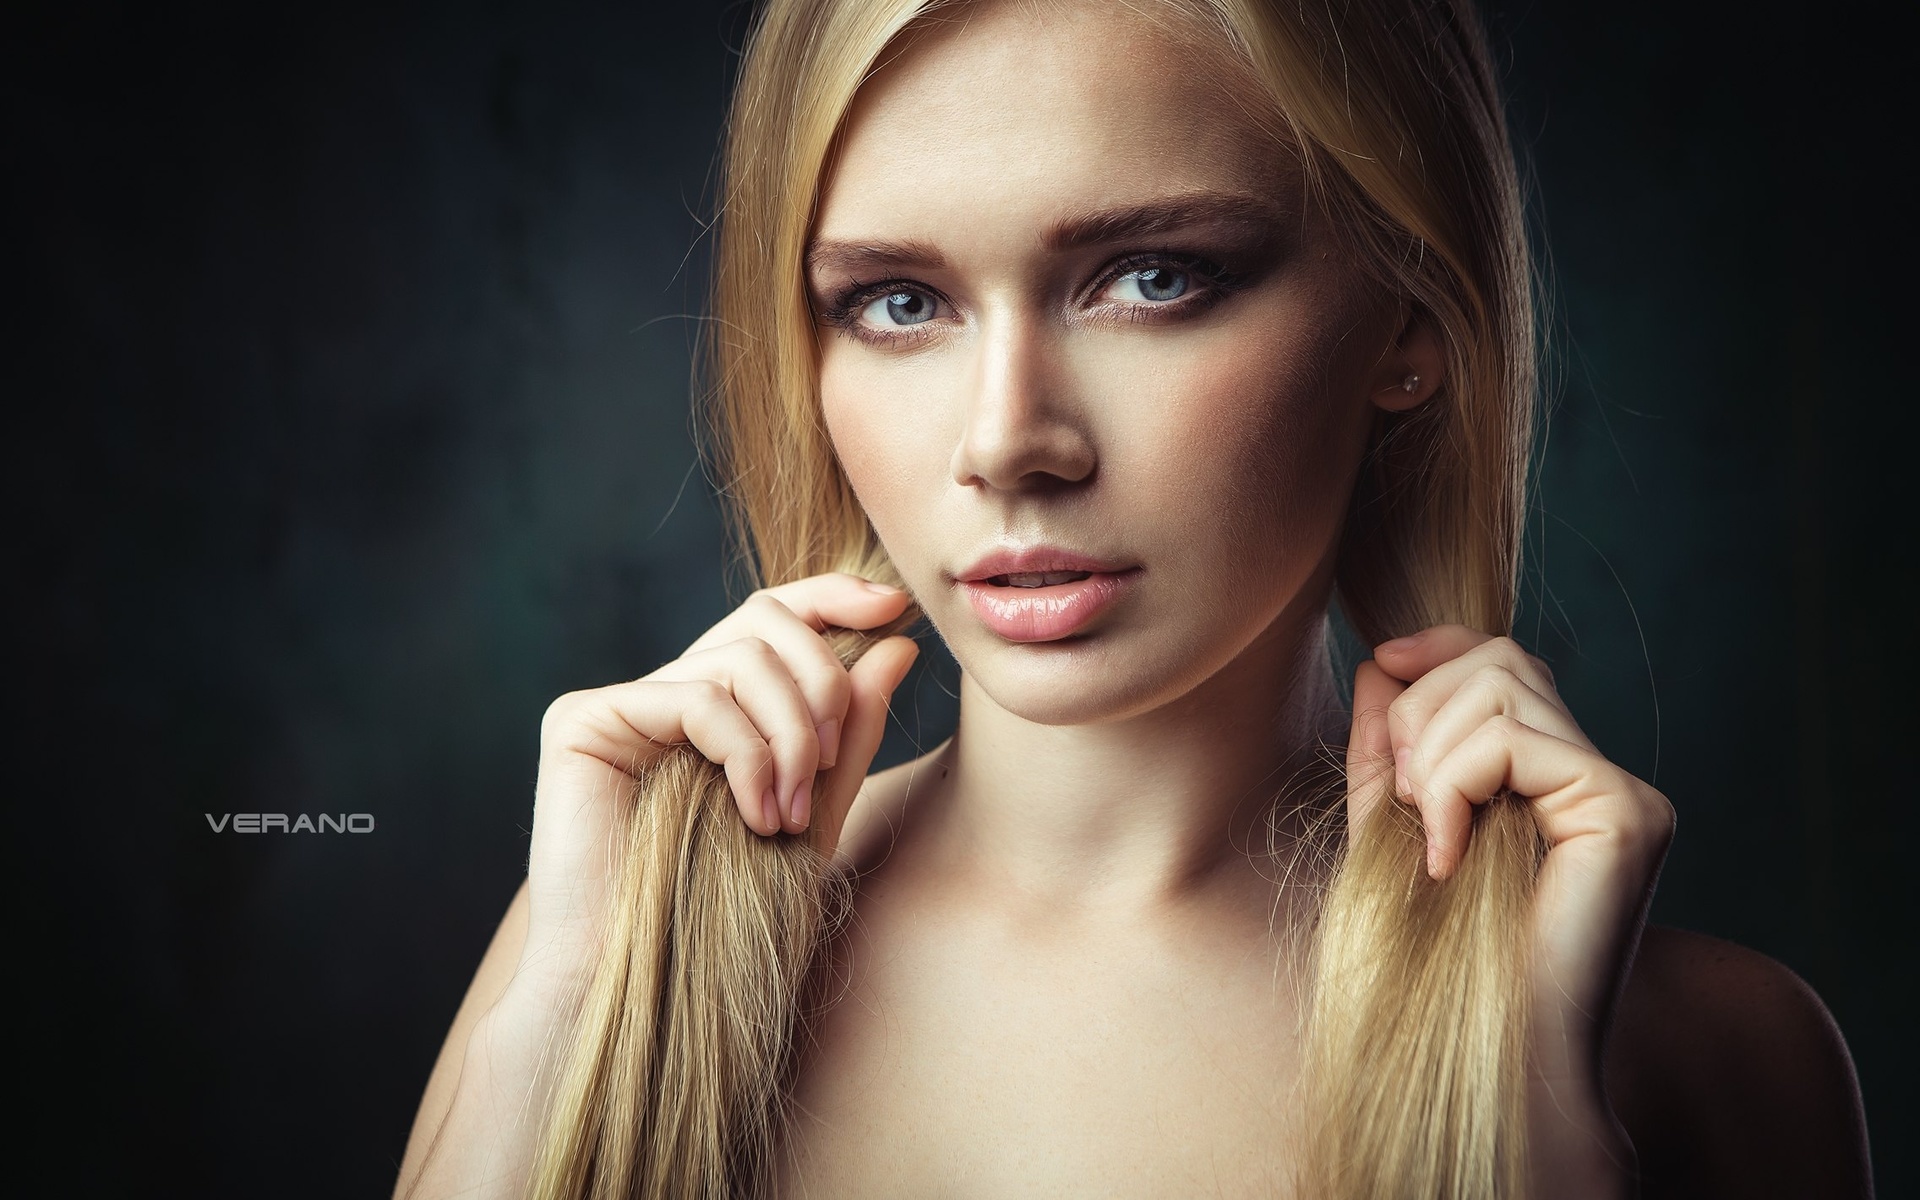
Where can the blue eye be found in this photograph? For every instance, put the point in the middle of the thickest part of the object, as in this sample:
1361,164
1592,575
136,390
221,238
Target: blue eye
899,308
1157,284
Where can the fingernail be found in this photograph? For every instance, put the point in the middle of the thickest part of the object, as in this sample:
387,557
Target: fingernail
1400,758
829,732
803,802
770,811
1433,861
881,588
1399,645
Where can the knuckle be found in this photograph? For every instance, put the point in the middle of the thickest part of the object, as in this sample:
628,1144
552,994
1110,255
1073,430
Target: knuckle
1410,709
830,688
1518,661
1488,740
1643,822
707,693
1661,816
754,646
1505,725
1509,653
560,713
1631,833
1494,677
763,602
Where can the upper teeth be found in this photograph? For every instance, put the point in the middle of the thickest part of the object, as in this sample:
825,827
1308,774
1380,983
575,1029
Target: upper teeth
1033,579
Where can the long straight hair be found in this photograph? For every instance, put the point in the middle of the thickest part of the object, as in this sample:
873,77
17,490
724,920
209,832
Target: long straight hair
675,1080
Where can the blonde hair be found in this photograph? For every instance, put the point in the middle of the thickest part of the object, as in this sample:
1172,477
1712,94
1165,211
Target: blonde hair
1416,1035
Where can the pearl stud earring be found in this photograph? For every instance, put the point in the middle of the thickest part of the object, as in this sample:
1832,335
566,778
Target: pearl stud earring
1410,384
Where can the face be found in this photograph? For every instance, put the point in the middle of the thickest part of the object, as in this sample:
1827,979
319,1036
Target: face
1099,375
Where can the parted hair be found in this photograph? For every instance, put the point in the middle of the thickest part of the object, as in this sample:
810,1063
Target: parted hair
675,1081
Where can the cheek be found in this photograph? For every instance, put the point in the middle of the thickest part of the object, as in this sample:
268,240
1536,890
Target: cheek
1258,427
881,425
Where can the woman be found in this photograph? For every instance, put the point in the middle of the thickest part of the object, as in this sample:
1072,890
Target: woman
1117,339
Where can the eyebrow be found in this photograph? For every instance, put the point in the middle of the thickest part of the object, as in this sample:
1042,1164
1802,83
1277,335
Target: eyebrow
1158,217
1153,218
856,257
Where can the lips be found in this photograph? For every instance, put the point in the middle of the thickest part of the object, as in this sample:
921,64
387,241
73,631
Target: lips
1001,566
1043,593
1034,579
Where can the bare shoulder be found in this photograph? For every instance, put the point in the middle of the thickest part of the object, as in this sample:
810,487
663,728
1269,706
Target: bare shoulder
1731,1076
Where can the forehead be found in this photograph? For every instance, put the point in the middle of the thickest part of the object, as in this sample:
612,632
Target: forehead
1006,113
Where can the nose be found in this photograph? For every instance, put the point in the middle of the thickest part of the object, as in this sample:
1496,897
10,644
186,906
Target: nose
1023,430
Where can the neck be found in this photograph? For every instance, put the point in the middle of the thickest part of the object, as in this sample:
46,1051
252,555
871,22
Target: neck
1149,809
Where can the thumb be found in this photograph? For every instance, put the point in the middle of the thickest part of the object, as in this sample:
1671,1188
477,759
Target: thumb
1370,742
874,679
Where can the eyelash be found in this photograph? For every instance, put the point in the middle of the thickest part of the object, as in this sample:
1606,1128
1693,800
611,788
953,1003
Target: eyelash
1217,283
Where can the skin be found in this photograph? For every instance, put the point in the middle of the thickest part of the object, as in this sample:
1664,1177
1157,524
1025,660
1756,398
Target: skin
1062,977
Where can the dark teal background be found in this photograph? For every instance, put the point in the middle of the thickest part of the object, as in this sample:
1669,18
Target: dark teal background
349,359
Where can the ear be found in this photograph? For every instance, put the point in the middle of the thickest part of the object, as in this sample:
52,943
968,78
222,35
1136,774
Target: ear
1411,369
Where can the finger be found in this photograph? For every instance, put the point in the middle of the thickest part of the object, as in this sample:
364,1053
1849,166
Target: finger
1572,790
841,599
821,676
624,727
819,601
1490,691
1446,814
726,734
1369,743
764,688
1577,792
1410,657
1434,684
873,679
1465,649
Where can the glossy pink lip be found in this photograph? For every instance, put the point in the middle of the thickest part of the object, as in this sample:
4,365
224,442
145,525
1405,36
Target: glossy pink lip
1043,614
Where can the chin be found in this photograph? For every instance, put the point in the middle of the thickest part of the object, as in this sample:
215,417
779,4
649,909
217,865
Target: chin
1105,676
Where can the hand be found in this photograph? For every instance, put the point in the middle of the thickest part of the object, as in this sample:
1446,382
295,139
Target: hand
761,694
1463,716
